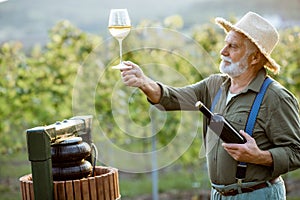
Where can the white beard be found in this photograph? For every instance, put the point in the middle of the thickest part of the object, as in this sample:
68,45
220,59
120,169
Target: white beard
234,69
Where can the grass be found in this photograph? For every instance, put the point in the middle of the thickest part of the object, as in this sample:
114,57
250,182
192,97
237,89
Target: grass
169,179
12,167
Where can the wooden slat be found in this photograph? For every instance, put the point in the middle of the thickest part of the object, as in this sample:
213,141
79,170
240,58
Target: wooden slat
59,190
31,190
100,187
93,188
62,190
27,189
106,186
111,186
69,190
116,184
98,171
77,189
23,192
85,189
55,191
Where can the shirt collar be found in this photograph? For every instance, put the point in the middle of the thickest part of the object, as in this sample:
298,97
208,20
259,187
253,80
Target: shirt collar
257,82
254,85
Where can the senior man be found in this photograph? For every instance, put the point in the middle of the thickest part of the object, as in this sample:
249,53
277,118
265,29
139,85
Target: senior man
240,171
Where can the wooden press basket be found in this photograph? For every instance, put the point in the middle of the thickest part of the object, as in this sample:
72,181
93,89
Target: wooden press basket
104,185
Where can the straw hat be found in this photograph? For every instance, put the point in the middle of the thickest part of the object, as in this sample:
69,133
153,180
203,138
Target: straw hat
259,31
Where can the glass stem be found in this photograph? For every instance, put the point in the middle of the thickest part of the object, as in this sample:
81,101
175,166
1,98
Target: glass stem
121,53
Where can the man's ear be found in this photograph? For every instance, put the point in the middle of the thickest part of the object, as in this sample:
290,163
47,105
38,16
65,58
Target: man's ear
256,58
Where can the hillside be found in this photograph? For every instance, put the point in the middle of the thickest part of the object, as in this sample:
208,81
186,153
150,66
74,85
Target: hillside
28,21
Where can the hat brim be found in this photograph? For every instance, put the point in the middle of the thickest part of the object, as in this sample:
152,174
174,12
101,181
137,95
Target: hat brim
227,26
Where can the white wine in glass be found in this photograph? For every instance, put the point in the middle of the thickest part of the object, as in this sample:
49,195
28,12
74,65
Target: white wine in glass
119,26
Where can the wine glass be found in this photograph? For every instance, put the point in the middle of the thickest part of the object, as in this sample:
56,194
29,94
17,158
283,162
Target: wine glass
119,27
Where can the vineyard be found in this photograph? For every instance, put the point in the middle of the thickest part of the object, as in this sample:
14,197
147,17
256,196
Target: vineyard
71,75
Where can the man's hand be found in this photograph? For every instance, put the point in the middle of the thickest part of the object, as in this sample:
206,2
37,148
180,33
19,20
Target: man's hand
249,152
134,77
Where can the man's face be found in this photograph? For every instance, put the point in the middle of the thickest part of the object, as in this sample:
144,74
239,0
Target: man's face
234,55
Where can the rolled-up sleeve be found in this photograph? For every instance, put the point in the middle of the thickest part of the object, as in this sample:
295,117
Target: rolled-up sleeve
184,98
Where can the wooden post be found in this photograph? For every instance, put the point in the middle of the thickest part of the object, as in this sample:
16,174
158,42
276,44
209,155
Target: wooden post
38,142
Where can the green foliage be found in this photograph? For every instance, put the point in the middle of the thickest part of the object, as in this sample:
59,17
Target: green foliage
13,94
287,56
37,89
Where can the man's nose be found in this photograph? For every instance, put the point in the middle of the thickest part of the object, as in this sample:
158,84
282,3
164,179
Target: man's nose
224,51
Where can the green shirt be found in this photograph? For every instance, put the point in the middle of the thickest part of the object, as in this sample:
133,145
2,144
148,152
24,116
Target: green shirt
277,127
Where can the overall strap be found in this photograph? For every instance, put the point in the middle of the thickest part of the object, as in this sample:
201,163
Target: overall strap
256,105
242,166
